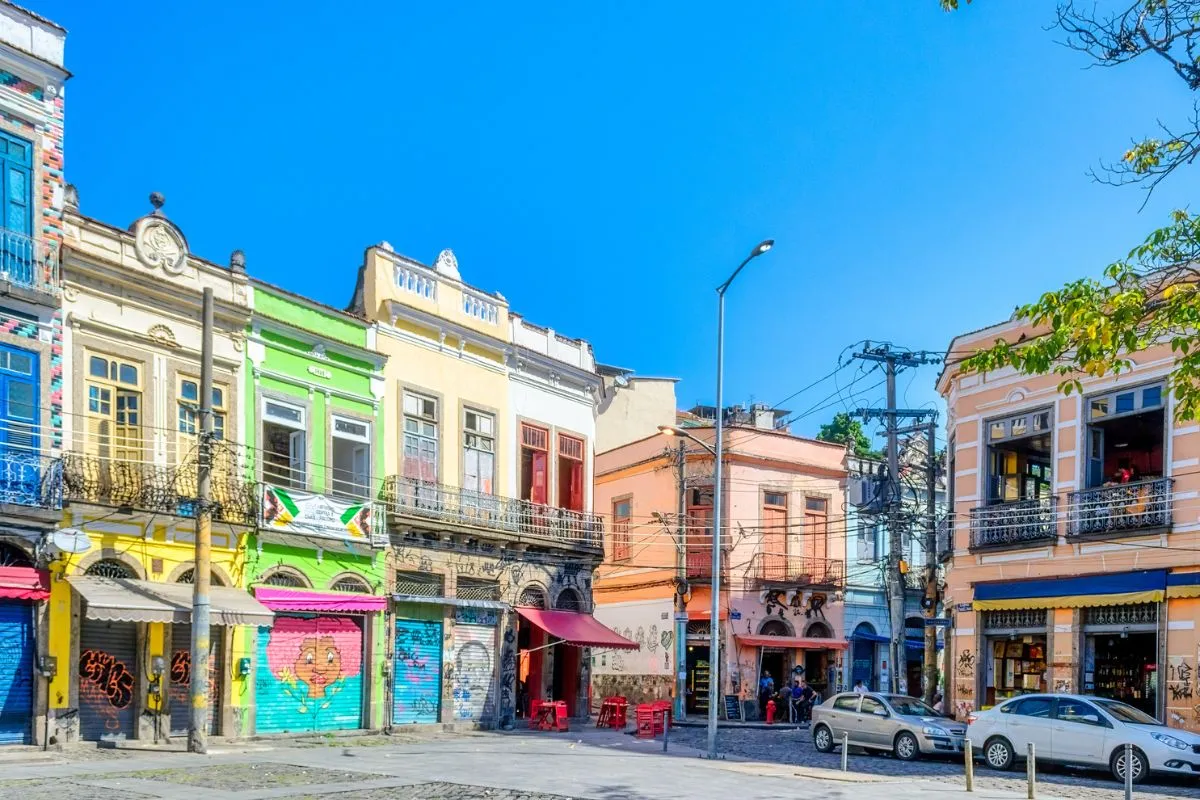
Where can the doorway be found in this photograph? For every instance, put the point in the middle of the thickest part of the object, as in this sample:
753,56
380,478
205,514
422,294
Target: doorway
697,678
1124,667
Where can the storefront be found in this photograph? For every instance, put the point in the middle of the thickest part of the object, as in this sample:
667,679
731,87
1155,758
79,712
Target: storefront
1121,654
1014,654
179,678
417,663
864,657
312,660
789,658
21,588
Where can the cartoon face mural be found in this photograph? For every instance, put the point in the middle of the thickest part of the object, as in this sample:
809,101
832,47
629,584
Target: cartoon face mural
309,674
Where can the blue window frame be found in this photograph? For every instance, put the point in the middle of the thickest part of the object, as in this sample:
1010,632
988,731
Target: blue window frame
20,457
16,210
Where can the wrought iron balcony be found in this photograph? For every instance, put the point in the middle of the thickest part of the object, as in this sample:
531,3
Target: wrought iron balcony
30,479
1010,525
424,501
151,487
698,561
28,262
797,570
1121,510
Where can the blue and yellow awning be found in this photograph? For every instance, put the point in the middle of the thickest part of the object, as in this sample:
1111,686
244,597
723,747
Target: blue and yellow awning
1183,584
1114,589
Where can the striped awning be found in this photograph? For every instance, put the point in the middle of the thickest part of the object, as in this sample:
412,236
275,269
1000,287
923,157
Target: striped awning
1183,584
129,600
1113,589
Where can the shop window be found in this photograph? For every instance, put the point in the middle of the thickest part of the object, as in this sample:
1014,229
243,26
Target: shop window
351,456
284,444
1126,432
570,472
620,528
535,464
479,452
1019,458
420,438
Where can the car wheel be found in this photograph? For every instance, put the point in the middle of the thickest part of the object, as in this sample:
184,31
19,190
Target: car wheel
905,747
1140,766
998,753
823,739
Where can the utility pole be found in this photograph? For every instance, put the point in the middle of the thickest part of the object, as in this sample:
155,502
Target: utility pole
893,361
930,603
680,589
198,724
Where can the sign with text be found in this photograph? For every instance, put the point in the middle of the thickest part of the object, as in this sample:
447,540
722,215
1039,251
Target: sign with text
733,707
937,622
310,514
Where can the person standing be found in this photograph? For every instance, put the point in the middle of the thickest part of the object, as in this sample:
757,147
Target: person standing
766,688
806,701
859,688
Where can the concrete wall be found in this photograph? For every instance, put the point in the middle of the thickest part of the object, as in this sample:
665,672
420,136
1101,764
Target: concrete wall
633,412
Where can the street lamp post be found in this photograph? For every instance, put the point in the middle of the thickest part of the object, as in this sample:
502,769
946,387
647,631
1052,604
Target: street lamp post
714,625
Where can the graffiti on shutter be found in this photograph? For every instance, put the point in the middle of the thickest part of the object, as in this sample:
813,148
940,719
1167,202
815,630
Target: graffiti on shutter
309,675
179,678
417,687
16,672
474,662
107,680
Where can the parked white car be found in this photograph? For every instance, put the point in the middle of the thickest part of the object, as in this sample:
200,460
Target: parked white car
1081,731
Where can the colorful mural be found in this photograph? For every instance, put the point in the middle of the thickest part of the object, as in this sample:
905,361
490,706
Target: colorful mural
309,675
418,672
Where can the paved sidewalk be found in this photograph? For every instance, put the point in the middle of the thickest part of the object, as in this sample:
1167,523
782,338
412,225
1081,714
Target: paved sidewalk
597,765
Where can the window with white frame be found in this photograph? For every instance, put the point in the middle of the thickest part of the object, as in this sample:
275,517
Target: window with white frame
284,444
1126,434
479,451
1020,455
350,452
420,437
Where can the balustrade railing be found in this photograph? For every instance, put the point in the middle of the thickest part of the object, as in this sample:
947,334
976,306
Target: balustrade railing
1121,509
30,479
799,570
414,498
1006,525
28,262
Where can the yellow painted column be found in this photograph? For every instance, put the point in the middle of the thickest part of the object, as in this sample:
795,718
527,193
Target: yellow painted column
155,638
58,642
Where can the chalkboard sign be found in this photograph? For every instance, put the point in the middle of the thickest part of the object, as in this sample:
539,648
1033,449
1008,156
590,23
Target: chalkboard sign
733,707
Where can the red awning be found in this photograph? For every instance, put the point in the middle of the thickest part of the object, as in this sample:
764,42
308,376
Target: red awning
301,600
789,642
24,583
575,628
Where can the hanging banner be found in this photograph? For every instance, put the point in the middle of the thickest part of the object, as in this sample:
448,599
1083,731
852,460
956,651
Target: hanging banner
317,515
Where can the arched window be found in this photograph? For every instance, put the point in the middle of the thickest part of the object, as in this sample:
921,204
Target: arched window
569,600
110,568
819,630
532,597
284,579
774,627
864,628
13,556
350,583
189,576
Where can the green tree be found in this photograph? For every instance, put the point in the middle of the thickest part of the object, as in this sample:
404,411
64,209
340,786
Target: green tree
846,430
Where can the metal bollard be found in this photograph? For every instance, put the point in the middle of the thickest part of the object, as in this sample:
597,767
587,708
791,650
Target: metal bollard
1128,772
1030,773
666,730
970,764
845,751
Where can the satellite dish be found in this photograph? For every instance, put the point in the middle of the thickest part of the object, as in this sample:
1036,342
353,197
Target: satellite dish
621,381
71,540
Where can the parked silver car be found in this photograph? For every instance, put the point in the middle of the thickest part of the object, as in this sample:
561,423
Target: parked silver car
904,725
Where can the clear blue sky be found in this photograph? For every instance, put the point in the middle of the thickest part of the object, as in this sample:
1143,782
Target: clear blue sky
605,165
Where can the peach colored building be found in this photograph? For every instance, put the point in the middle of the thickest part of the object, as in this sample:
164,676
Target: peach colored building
1076,565
783,568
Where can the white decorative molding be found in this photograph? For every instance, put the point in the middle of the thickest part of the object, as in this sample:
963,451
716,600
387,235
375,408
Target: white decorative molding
1026,555
447,264
318,350
163,335
964,632
1181,625
1186,430
1184,463
158,243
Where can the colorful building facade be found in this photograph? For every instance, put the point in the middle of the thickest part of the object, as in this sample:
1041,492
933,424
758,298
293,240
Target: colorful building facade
1073,561
315,431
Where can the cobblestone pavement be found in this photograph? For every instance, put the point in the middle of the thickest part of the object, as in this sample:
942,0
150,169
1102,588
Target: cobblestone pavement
795,747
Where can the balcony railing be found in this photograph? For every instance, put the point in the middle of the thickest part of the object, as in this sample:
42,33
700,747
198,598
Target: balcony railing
1113,511
151,487
1019,524
28,262
30,479
416,499
698,562
798,570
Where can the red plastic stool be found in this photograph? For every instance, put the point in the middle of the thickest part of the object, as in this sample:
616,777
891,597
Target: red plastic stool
644,715
560,717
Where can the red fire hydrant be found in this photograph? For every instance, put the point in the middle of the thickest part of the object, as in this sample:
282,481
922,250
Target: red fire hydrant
770,712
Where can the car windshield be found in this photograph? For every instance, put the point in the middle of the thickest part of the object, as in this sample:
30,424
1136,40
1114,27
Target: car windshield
910,706
1126,713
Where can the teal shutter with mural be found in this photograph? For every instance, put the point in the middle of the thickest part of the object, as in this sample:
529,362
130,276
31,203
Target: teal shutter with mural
309,675
417,688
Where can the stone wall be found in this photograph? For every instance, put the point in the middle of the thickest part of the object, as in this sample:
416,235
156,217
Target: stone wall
634,688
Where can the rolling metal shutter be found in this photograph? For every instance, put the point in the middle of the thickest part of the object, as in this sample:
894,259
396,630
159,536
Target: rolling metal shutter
179,677
16,672
474,678
293,694
417,683
107,679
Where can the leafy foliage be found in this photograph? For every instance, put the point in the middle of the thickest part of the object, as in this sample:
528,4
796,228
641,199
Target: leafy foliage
1089,328
846,430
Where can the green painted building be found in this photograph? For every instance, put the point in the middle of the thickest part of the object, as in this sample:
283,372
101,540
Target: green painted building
313,436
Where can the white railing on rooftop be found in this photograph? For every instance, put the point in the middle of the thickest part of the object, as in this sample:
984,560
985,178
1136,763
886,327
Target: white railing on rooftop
416,281
480,307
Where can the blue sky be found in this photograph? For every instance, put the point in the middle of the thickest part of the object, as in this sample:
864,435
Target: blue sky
606,165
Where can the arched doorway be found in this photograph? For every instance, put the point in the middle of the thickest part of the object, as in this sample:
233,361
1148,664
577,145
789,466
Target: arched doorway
531,652
778,662
863,658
